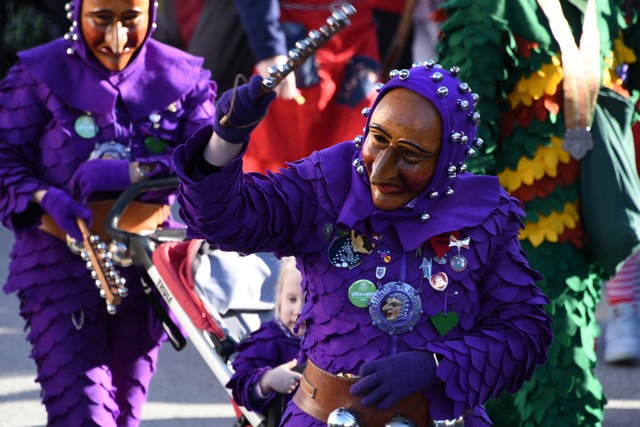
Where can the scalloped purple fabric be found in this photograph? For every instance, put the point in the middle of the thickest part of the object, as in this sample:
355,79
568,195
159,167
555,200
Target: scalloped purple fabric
266,348
503,332
40,99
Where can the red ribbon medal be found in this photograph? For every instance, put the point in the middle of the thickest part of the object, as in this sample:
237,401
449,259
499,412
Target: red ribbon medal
440,245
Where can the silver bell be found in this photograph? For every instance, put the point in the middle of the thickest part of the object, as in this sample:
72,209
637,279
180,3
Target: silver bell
120,254
76,247
458,422
343,417
399,421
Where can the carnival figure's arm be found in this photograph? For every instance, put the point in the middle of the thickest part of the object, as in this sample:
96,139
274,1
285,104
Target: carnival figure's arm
22,116
248,213
512,331
195,109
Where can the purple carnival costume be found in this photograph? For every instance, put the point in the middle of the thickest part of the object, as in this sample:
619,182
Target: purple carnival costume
58,105
450,258
269,346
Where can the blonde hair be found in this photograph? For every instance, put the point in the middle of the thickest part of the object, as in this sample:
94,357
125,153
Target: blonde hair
287,265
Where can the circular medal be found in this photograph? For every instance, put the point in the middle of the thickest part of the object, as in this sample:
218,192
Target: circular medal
395,308
341,253
360,292
110,150
458,263
577,141
85,126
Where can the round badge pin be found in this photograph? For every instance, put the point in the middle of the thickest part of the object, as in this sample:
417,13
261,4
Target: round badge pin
341,253
360,292
85,126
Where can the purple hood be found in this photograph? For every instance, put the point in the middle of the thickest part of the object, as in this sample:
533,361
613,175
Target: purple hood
70,70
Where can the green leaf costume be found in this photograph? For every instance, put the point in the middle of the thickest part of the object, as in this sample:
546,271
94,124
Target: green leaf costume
509,57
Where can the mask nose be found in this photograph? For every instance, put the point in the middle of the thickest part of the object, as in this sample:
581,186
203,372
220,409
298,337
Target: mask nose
385,166
117,37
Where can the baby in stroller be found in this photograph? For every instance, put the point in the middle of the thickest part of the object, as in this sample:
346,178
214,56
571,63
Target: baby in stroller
265,363
250,342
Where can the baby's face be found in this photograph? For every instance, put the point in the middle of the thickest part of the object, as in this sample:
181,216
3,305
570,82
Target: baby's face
291,300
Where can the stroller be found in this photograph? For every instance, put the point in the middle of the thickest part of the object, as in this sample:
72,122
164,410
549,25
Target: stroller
213,297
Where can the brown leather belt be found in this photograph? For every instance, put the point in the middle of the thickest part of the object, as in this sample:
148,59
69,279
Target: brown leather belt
137,217
320,393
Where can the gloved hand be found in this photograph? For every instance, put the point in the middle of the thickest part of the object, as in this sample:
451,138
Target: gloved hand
100,175
249,107
64,210
388,380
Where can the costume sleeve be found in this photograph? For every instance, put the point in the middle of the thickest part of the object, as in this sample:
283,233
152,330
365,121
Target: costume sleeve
261,21
247,213
255,355
196,109
512,332
22,115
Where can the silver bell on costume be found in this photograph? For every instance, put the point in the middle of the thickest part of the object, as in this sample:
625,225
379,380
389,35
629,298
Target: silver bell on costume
343,417
458,422
399,421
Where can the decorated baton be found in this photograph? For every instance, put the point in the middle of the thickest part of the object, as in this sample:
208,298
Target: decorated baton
306,47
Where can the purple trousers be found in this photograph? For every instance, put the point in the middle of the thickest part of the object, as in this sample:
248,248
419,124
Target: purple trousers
94,369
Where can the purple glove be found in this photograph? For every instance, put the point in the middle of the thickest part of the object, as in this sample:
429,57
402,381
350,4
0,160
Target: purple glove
64,210
388,380
249,107
100,175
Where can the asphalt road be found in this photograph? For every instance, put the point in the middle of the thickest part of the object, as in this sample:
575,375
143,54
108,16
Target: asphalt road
185,393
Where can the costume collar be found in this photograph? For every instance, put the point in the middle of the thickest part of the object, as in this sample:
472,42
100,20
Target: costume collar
158,76
473,200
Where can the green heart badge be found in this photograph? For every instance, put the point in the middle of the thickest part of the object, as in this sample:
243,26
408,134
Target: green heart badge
156,146
444,323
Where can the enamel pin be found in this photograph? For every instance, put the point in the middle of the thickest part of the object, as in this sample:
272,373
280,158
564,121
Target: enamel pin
360,292
426,268
440,245
341,253
361,243
440,281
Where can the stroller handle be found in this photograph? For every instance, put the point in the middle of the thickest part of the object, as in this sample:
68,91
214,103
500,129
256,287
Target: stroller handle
127,196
